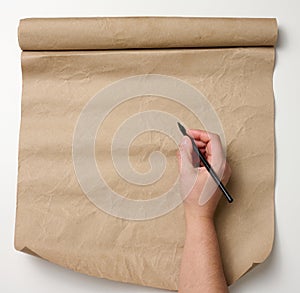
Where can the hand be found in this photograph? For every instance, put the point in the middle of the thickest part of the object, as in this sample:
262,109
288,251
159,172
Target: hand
199,191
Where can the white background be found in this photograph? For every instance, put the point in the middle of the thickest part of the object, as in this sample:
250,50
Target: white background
281,272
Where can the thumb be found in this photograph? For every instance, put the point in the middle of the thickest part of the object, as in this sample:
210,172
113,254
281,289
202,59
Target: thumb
186,159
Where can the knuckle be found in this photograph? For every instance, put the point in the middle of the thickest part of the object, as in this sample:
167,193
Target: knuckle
227,171
214,135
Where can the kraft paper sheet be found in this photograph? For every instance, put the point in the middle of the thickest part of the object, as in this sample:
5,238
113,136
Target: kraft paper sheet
65,63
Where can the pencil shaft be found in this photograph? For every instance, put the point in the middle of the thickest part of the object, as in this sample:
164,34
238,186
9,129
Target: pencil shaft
206,164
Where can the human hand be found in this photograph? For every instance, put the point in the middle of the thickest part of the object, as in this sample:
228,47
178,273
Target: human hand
198,189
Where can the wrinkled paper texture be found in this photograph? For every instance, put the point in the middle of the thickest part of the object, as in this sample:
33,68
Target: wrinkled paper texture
65,62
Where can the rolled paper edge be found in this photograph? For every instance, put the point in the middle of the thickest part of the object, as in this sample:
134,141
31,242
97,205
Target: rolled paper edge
104,33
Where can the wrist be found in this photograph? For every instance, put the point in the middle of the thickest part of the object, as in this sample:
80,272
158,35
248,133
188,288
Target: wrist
197,212
196,216
194,210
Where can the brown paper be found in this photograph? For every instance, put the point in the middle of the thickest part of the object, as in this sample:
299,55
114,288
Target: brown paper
65,63
144,32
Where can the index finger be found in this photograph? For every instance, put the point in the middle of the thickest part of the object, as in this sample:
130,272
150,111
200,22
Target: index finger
212,142
199,134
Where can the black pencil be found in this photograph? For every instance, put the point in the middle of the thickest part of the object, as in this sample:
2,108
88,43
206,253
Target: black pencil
207,165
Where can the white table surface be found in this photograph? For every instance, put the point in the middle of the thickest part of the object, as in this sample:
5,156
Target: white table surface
281,272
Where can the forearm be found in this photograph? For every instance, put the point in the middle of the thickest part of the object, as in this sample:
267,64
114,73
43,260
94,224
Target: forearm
201,265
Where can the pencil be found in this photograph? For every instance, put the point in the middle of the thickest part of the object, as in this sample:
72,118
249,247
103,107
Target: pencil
207,165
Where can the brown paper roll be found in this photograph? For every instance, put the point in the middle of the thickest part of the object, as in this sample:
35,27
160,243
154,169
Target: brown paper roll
144,32
55,219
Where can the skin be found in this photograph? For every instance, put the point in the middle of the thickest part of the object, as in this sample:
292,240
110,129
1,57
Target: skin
201,266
